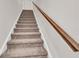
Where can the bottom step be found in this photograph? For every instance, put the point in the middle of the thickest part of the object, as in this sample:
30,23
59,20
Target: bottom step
25,52
25,43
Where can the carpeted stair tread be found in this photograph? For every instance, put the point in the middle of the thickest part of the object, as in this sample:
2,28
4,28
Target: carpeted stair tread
25,25
27,33
25,52
24,22
22,41
26,39
26,30
27,19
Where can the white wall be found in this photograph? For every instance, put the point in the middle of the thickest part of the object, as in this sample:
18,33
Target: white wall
27,4
65,13
9,13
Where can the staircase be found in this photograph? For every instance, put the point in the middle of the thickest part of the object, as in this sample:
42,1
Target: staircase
26,40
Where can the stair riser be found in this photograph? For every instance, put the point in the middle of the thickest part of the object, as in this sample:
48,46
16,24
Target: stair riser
24,12
28,13
27,16
25,36
26,23
27,19
39,56
24,45
23,21
34,56
23,26
43,56
20,25
26,30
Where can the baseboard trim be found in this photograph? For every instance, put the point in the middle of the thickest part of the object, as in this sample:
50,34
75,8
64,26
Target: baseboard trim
45,45
3,49
4,46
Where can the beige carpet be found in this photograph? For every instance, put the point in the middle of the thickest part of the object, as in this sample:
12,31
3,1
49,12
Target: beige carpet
26,40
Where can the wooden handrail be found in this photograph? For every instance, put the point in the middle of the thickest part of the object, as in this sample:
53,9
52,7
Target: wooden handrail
68,39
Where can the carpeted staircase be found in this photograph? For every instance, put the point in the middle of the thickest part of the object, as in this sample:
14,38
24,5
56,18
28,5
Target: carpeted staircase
26,40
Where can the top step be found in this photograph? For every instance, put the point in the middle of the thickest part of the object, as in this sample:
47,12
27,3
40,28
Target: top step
27,12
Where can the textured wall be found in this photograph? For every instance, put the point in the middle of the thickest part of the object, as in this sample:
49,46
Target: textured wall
9,11
65,13
27,4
